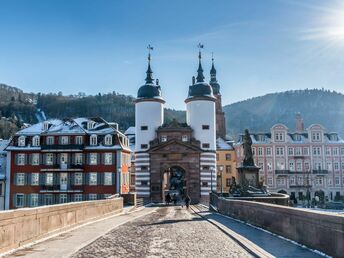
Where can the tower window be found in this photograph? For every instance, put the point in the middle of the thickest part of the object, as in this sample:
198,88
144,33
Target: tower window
164,138
205,127
205,145
184,138
144,146
144,128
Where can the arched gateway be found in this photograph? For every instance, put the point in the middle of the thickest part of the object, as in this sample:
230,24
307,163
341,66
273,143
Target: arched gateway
174,182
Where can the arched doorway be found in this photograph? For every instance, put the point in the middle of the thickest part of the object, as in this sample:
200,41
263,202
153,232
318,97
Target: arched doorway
174,182
321,195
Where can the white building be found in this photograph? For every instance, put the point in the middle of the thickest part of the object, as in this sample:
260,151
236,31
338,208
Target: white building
3,182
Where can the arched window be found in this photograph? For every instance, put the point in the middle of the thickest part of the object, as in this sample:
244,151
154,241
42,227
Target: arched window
108,139
35,141
21,141
93,139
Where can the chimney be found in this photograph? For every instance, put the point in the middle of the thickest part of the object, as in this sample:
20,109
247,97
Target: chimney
299,126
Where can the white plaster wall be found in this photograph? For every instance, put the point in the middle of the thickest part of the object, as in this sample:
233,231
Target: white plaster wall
202,112
149,114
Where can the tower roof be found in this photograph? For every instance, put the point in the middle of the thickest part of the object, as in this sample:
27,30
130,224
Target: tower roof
149,90
213,81
200,89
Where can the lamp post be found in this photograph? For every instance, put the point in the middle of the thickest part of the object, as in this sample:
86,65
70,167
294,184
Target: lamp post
211,179
221,171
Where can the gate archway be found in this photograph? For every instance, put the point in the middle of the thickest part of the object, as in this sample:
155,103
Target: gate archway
174,182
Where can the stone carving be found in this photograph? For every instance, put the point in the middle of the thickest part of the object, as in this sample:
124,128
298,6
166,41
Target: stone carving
247,146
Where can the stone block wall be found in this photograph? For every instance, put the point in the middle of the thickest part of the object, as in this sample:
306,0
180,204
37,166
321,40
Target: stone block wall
317,230
22,226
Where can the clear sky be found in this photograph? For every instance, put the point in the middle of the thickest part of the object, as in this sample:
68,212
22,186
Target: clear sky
260,46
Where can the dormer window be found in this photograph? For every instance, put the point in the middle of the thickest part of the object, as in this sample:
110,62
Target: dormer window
90,125
64,140
108,139
35,141
50,140
21,141
93,139
334,137
316,136
46,125
279,136
78,140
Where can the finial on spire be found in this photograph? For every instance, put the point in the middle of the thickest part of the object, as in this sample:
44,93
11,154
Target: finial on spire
200,77
149,77
212,70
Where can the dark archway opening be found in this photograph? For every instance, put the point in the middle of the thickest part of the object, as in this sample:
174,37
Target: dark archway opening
174,182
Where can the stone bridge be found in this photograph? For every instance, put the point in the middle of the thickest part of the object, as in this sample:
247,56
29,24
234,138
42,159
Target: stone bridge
106,229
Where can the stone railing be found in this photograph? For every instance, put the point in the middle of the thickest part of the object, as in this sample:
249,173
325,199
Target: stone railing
317,230
22,226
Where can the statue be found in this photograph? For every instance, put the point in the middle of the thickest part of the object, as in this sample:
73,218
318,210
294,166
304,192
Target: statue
247,145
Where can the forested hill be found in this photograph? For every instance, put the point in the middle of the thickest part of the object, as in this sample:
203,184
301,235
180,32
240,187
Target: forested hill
257,114
261,113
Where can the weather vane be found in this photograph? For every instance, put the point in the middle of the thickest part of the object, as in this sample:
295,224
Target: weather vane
149,47
200,46
212,56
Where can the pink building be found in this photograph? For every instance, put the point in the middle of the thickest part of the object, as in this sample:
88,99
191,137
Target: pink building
304,161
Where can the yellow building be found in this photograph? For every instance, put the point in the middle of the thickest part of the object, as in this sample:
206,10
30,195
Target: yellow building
226,165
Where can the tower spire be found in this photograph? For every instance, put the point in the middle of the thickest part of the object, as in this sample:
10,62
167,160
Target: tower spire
212,70
149,77
200,76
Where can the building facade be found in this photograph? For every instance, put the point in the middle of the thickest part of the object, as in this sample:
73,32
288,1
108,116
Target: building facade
304,163
226,165
59,161
3,181
176,158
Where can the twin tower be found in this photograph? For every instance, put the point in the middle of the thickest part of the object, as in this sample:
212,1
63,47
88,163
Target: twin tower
203,110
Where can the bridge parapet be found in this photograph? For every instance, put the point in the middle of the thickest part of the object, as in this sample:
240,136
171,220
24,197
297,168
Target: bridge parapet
22,226
317,230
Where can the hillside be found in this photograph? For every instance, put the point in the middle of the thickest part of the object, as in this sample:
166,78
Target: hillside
261,113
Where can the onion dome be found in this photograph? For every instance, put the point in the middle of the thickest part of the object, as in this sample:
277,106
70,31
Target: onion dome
213,82
149,90
200,89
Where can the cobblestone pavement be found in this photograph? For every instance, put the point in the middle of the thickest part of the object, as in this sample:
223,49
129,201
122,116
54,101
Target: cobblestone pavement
168,232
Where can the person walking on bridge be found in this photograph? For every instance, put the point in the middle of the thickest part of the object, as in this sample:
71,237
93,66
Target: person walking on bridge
187,201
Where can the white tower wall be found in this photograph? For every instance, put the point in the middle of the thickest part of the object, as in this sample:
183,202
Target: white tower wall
199,113
150,114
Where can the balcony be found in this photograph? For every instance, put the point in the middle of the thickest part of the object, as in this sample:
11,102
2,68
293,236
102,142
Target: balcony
320,171
61,188
64,167
282,172
62,147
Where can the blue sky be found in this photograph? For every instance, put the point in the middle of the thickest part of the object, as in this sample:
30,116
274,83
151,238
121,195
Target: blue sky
100,46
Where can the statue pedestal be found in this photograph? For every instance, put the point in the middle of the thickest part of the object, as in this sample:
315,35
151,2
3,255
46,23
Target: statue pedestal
248,175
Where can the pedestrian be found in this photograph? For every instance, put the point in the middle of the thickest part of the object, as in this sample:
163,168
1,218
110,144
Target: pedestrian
168,198
174,199
187,201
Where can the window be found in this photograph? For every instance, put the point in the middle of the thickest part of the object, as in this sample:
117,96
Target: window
21,159
48,199
217,157
107,178
20,179
337,181
49,179
335,151
78,179
33,200
317,165
298,165
300,180
328,151
280,181
204,184
35,141
291,165
63,198
280,165
78,140
260,151
92,197
35,179
108,139
316,151
298,151
269,165
108,158
270,181
298,138
144,146
21,141
228,156
319,181
49,159
93,140
316,136
78,159
291,151
35,159
90,124
205,127
228,169
342,151
64,140
305,151
63,158
93,178
77,197
19,200
253,151
144,128
292,180
279,136
184,138
261,165
50,140
307,167
93,158
279,151
228,182
144,182
163,138
336,166
205,145
268,151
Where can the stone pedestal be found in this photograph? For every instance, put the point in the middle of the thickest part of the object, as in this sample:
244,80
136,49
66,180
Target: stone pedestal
248,175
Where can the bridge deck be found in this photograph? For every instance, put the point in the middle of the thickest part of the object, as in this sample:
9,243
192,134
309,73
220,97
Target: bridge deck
166,232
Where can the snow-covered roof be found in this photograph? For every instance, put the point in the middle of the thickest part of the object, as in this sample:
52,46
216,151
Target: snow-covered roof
3,144
221,144
130,131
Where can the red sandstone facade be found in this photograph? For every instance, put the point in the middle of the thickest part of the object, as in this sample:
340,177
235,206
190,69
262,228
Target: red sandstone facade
63,161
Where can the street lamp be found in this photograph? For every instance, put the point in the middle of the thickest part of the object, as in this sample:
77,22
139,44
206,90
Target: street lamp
221,170
211,179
